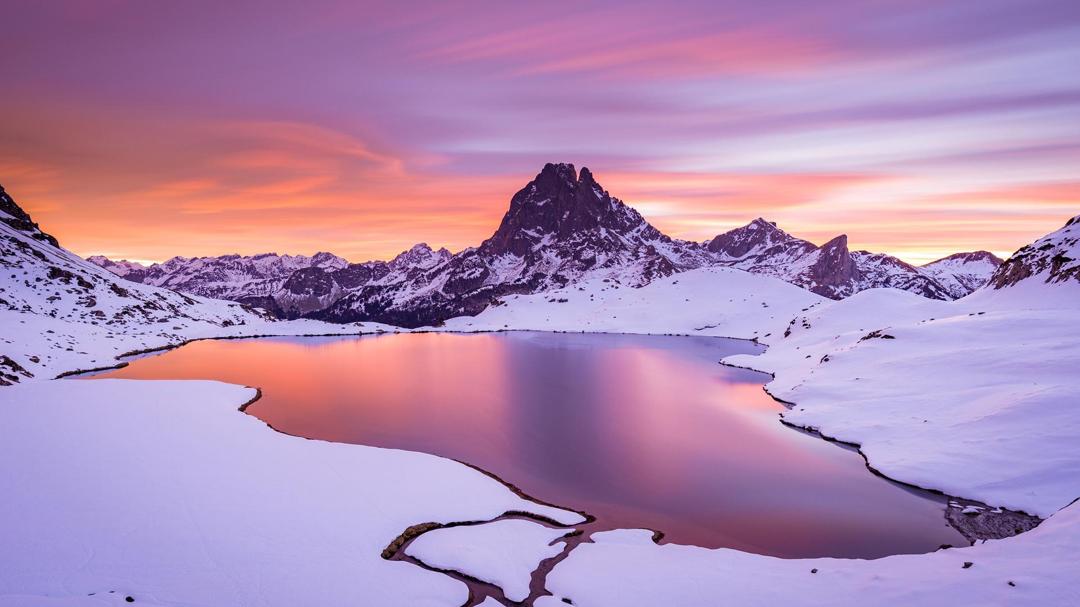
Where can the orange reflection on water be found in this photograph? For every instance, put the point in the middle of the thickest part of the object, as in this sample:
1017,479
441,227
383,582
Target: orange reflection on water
639,431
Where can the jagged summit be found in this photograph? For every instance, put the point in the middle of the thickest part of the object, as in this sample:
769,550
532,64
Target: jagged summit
757,237
558,204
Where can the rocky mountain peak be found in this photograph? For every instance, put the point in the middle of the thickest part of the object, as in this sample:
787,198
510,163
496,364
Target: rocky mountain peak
962,273
558,204
838,244
968,257
753,237
420,255
834,268
323,258
13,215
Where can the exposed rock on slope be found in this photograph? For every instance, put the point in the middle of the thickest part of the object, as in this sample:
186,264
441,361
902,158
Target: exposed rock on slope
561,228
830,270
1053,258
60,313
19,220
44,279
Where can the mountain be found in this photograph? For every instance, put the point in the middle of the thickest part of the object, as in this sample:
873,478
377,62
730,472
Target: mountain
60,312
1054,258
131,270
562,228
19,220
830,270
257,280
962,273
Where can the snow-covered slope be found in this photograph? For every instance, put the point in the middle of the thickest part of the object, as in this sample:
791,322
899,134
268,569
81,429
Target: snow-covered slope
60,313
164,492
962,273
706,301
1054,258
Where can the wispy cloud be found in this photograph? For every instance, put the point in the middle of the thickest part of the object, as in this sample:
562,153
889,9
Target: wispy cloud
916,127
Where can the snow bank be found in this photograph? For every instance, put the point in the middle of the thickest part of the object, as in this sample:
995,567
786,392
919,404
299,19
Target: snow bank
626,568
47,346
504,552
708,301
976,398
163,491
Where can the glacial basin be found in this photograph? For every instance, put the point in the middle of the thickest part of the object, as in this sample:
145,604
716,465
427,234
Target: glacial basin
638,431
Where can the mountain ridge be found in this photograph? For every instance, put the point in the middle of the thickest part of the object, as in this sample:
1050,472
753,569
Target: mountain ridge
561,228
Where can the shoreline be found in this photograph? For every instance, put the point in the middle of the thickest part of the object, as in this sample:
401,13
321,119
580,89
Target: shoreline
990,523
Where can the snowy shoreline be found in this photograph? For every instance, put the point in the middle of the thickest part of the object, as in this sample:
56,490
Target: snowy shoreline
987,529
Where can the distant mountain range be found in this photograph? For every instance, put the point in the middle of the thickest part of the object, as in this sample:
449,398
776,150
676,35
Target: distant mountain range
561,228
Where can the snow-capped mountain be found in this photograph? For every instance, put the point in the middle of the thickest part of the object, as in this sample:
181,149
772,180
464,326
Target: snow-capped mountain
830,270
19,220
962,273
51,299
256,280
1054,258
131,270
562,228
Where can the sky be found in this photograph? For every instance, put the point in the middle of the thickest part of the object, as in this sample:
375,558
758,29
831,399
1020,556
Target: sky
144,130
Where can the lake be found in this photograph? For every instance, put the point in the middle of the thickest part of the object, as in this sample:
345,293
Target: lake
639,431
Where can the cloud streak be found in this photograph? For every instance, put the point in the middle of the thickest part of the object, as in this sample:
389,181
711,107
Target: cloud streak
146,130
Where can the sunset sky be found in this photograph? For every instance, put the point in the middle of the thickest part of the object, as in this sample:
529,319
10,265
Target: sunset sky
144,130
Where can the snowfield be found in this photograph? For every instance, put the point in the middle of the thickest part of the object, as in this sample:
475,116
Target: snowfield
719,302
976,398
163,491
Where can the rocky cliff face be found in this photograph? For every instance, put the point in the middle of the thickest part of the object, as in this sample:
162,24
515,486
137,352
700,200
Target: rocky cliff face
1054,258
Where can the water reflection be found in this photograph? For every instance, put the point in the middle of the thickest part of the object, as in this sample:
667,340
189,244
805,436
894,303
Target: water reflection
640,431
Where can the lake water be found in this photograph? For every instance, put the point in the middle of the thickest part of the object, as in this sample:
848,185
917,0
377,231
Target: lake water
638,431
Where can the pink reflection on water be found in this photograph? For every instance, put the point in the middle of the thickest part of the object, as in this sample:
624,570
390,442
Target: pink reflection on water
638,431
